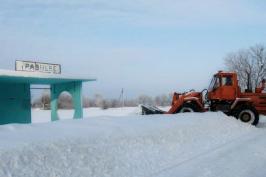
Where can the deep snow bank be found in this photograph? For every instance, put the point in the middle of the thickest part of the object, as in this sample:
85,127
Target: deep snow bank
112,146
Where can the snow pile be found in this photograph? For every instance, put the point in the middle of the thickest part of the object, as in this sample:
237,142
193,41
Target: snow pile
164,145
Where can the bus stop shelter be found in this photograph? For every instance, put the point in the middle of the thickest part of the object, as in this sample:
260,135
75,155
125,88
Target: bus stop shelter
15,94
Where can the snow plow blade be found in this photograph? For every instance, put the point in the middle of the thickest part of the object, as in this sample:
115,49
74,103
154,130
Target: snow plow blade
148,110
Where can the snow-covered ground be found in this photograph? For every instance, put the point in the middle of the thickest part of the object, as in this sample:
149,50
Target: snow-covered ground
121,143
40,116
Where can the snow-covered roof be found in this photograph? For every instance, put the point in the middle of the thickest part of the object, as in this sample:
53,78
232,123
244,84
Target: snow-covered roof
38,78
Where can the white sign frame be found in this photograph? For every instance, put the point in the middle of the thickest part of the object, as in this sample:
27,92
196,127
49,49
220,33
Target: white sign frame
31,66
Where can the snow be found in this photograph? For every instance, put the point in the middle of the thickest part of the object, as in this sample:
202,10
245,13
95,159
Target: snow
11,73
121,143
40,116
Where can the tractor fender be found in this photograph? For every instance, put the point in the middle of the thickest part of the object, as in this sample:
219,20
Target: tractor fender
239,100
195,100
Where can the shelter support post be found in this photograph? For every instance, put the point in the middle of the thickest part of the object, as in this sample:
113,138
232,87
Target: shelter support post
75,89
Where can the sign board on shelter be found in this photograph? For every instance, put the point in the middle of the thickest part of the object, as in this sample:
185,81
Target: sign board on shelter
31,66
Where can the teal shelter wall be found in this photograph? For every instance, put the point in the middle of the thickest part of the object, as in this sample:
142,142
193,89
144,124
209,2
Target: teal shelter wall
15,103
75,89
15,94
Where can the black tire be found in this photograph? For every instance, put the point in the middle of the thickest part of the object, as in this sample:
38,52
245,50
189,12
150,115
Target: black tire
188,108
248,114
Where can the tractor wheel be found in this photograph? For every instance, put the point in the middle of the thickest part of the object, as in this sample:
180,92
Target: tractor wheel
188,108
248,114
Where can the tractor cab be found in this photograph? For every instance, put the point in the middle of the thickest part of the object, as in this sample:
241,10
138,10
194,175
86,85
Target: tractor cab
224,86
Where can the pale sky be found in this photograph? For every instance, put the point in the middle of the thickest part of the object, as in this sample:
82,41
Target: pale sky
146,47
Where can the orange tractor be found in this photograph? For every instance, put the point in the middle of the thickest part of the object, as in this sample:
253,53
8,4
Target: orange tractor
224,94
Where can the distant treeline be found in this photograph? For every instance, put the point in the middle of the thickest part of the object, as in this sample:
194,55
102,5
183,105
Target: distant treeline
65,101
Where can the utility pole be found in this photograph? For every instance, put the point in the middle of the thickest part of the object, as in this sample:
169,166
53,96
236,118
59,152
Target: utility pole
121,98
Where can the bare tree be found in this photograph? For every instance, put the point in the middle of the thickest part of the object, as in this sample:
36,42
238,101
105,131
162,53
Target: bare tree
250,65
163,100
99,101
45,100
258,55
65,101
37,103
131,103
144,99
86,102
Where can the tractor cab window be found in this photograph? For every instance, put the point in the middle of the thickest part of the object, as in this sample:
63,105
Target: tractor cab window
227,81
215,83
